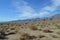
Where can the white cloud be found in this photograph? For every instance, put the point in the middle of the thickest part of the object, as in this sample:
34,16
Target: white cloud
27,11
48,8
56,2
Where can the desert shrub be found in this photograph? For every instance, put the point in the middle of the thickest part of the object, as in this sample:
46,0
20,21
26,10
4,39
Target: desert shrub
27,37
8,24
26,23
24,37
12,24
32,37
1,24
41,36
19,24
44,19
40,29
34,28
51,18
22,27
58,26
12,28
3,35
54,36
42,26
58,32
47,31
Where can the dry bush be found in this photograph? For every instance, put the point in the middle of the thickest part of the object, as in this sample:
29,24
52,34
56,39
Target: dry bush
58,26
33,28
58,32
27,37
54,36
41,36
47,31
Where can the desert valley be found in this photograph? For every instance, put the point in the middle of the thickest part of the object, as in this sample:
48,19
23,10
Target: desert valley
33,29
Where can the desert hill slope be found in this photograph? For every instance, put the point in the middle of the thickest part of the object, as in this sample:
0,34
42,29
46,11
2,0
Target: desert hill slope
56,17
33,29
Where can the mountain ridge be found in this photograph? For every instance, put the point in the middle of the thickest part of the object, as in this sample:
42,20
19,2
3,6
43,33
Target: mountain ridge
54,17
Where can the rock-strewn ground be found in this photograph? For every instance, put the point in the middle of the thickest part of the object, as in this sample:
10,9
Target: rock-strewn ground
32,30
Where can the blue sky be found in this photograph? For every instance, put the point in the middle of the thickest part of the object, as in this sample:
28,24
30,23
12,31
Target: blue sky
25,9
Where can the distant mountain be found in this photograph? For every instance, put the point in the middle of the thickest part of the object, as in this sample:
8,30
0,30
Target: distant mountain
54,17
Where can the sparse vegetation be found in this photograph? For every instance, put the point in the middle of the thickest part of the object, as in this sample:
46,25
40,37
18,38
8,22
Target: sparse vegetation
31,30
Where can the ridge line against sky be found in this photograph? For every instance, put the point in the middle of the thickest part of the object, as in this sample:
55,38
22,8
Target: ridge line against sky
25,9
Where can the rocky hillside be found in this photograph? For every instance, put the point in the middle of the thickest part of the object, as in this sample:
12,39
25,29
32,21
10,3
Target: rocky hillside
36,29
